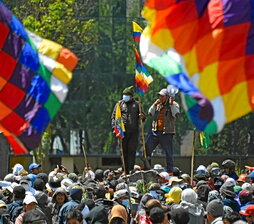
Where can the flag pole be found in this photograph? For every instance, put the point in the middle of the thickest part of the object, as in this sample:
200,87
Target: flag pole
192,156
85,157
146,163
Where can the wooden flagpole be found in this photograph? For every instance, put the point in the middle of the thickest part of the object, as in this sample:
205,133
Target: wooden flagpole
192,156
146,163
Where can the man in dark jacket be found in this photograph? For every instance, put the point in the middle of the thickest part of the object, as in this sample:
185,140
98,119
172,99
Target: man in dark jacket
164,112
16,207
131,115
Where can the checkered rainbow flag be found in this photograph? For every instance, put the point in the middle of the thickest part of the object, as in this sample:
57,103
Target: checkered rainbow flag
34,73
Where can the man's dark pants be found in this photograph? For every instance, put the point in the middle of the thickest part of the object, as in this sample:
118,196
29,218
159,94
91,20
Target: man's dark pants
130,144
166,143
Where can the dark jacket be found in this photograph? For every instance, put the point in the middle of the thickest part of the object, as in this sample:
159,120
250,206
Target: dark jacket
15,208
130,115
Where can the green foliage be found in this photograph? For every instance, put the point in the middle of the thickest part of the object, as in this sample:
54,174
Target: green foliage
143,187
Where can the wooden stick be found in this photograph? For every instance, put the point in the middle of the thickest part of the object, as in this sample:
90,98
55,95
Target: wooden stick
142,129
192,157
85,157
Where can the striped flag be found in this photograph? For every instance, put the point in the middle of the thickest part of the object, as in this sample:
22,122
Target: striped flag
119,128
137,30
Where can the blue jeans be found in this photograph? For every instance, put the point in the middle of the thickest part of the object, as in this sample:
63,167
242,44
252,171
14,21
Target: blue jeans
166,143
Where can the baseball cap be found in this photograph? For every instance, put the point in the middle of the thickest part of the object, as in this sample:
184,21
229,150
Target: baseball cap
163,92
34,166
164,175
29,199
249,211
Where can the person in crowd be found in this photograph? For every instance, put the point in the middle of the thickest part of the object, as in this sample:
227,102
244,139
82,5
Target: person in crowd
249,214
4,215
118,215
29,203
214,212
34,169
16,207
189,202
131,115
35,216
231,218
179,215
164,112
227,193
76,196
74,217
229,168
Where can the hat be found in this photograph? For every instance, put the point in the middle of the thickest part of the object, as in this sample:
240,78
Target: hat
214,164
10,188
215,208
158,167
242,177
247,186
249,211
121,186
9,177
201,169
19,192
129,90
17,168
2,204
163,92
43,176
34,215
121,193
29,199
179,215
186,177
174,179
156,215
76,193
66,183
118,211
230,179
227,189
164,175
189,195
24,181
73,177
237,189
34,166
174,195
39,185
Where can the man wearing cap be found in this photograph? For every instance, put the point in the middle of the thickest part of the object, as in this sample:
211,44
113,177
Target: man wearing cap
131,116
164,112
249,214
29,203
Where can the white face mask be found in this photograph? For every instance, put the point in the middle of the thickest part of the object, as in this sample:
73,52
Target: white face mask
126,98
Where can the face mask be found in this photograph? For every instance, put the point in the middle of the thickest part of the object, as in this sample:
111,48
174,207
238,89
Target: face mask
126,203
126,98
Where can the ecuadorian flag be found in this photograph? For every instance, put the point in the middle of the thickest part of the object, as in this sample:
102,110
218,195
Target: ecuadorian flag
119,128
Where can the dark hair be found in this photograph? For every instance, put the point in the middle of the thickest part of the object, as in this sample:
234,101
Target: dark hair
74,214
116,220
232,217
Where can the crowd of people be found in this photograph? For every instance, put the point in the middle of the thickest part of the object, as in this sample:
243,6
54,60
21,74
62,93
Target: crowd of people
215,195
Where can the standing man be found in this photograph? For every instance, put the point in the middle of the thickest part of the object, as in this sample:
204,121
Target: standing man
131,115
164,112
